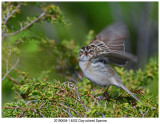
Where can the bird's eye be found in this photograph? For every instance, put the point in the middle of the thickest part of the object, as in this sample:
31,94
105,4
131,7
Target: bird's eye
102,61
80,52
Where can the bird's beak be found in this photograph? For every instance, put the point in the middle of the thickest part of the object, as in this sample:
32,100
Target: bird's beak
86,53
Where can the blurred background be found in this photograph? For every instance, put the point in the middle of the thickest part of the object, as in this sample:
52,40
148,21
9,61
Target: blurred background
52,47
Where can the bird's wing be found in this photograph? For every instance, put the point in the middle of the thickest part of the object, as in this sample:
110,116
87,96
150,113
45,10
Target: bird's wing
119,59
109,45
112,38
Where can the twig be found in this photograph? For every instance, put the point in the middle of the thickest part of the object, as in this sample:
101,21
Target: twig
66,92
19,96
103,116
22,114
34,110
70,109
30,101
8,60
12,79
77,94
41,105
18,42
38,112
9,65
9,16
96,100
15,108
8,71
105,106
22,109
143,114
79,99
27,26
66,112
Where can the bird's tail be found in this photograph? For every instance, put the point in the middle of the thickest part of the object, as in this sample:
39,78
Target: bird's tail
125,88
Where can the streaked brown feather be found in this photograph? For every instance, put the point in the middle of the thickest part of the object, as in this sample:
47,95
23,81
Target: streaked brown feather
119,59
109,45
113,37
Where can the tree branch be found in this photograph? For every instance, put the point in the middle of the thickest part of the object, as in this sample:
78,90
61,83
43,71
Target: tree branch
9,16
9,65
12,79
8,71
34,110
8,60
143,114
27,26
66,112
77,94
15,108
38,112
70,109
79,99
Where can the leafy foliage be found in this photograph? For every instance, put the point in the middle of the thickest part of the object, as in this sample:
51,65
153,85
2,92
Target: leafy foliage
51,98
50,13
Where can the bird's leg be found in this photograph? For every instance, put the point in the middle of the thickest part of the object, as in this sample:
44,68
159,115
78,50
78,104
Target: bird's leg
89,93
98,92
106,90
106,93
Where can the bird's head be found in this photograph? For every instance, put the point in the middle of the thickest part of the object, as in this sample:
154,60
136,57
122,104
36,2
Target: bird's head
86,53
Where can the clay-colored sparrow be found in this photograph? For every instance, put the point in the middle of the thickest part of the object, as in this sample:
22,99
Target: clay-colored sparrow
107,47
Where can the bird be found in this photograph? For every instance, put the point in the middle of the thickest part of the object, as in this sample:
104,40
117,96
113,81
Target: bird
108,47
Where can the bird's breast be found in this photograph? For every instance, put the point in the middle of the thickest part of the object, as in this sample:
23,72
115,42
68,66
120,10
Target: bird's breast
96,73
